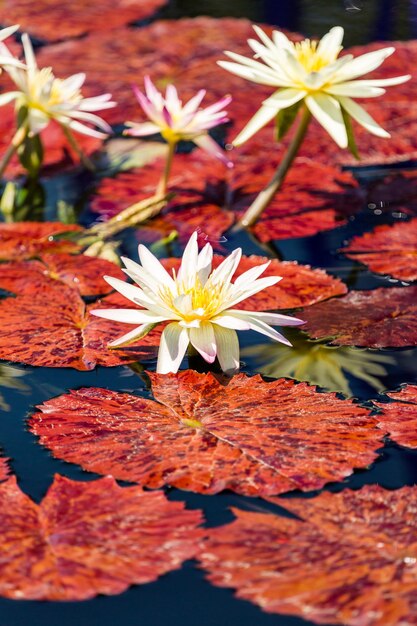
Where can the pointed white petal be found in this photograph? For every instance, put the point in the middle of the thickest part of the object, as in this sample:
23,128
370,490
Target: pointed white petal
330,45
382,82
251,70
241,294
154,268
264,329
129,316
173,346
227,348
261,118
228,320
285,98
363,64
133,335
188,268
85,130
202,338
29,54
5,98
141,130
6,32
250,275
362,117
130,292
224,272
327,112
275,319
354,90
204,262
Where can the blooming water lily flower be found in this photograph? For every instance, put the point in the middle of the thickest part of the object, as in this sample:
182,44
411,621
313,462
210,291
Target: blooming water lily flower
44,97
176,121
311,72
198,303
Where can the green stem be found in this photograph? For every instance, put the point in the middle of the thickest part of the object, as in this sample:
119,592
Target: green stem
17,140
265,196
88,164
163,183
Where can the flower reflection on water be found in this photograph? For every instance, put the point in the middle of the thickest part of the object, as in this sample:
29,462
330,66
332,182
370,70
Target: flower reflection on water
320,364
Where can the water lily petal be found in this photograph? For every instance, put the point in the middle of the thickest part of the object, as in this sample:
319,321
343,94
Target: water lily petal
205,142
362,117
204,262
129,316
275,319
264,115
227,348
133,335
203,340
355,90
331,44
363,64
173,346
189,262
154,268
327,112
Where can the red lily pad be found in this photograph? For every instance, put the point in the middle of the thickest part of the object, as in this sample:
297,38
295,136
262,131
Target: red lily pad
52,327
90,538
349,560
249,436
388,250
57,152
166,46
300,285
26,240
82,273
52,21
395,193
399,418
4,469
381,318
313,198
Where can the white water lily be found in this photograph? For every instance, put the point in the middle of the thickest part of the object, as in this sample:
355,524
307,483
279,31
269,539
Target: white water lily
198,302
46,97
311,71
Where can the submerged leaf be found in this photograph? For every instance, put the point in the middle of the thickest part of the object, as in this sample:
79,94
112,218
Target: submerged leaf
350,559
388,250
249,436
90,538
399,418
381,318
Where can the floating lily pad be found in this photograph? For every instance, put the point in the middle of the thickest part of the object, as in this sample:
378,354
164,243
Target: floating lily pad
4,469
313,198
53,21
90,538
249,436
381,318
82,273
51,326
399,418
349,559
26,240
388,250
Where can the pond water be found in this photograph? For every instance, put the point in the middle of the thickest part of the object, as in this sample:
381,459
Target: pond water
184,597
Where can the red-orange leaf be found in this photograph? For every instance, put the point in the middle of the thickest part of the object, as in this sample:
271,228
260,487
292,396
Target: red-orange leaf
53,328
388,250
300,285
82,273
248,436
4,469
25,240
90,538
52,21
350,560
399,418
381,318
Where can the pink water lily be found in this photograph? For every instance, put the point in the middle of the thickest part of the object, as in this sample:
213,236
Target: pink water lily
175,121
199,304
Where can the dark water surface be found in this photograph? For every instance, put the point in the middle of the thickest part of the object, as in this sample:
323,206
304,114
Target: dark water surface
184,597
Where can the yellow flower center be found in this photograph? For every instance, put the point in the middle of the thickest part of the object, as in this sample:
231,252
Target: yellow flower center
45,91
199,302
308,56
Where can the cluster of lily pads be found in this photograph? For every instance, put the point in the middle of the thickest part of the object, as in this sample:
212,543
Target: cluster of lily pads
209,432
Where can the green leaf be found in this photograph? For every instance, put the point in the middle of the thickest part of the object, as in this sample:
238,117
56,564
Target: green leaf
285,119
349,131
